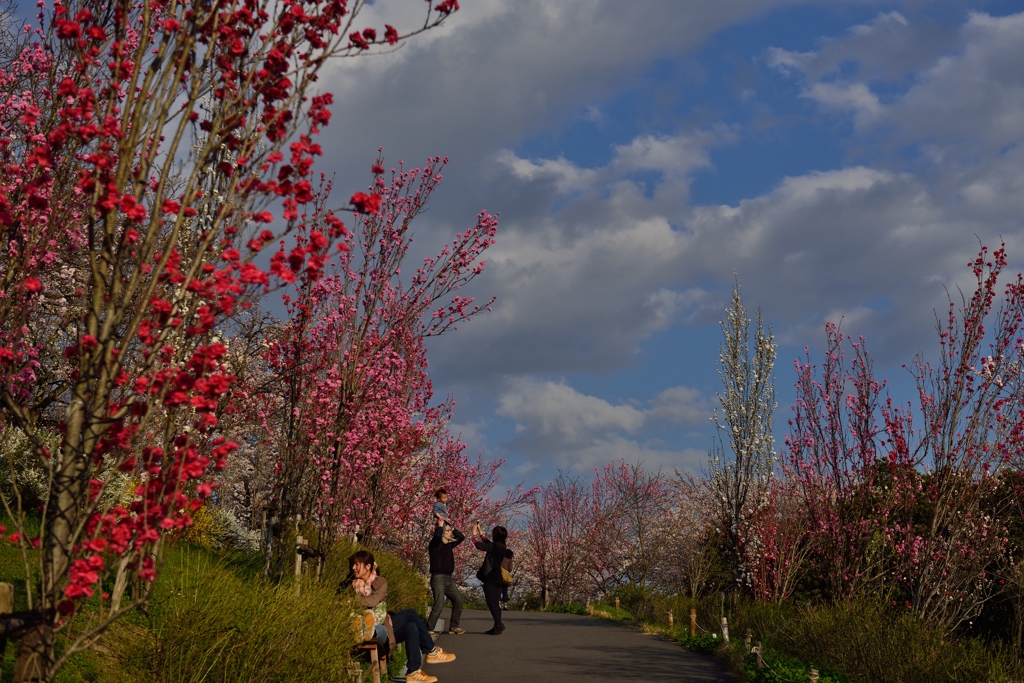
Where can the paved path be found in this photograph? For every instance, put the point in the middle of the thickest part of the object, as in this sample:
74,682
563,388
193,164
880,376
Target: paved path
537,647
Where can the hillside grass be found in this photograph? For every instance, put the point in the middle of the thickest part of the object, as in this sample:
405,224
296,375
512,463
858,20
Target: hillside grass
214,620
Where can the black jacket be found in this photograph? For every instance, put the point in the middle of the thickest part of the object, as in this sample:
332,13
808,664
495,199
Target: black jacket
490,570
442,559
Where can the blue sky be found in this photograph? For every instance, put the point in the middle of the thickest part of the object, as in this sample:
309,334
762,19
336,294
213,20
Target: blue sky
843,157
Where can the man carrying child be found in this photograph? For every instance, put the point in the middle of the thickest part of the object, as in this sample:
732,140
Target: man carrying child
442,565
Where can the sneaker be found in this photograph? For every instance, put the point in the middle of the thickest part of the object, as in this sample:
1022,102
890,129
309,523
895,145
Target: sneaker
439,656
420,677
434,634
455,631
496,631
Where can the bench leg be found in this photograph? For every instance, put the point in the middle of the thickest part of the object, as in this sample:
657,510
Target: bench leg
375,665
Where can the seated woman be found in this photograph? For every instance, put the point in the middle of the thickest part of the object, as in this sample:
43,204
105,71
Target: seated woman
406,626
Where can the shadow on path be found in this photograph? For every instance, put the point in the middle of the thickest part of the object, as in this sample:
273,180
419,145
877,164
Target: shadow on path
538,647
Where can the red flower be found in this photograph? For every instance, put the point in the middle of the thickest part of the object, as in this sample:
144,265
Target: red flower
366,203
390,34
33,284
357,40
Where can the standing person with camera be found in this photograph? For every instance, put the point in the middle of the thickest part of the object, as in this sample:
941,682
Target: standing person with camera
489,573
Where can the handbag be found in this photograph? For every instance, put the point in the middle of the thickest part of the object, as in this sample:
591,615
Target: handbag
506,577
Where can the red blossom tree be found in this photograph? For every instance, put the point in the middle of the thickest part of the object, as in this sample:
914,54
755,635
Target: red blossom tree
159,148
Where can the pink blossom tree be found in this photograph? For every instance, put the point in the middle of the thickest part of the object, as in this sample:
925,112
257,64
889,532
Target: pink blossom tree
913,506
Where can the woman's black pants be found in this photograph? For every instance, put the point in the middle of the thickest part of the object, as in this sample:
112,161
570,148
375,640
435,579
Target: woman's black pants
492,593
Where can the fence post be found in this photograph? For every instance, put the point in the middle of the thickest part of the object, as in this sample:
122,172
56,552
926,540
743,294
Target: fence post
747,635
616,606
693,623
725,630
299,541
6,607
760,660
814,676
671,621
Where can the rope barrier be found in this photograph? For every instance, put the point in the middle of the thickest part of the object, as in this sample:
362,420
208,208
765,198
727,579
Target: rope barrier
710,633
778,675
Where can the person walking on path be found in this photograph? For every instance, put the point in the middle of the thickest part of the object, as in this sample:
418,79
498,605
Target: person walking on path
405,626
442,567
490,571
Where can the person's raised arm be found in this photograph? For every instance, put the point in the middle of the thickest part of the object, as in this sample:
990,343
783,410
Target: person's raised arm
459,537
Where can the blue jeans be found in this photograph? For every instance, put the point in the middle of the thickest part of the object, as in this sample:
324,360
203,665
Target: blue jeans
444,586
411,630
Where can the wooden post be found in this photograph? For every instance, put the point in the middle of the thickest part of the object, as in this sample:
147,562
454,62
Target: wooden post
693,623
814,676
670,619
299,540
28,663
760,660
616,606
747,635
6,607
725,630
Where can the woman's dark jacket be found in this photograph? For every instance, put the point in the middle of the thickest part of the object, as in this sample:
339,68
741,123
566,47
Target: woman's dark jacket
490,570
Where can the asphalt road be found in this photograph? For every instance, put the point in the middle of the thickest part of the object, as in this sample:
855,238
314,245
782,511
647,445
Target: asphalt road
538,647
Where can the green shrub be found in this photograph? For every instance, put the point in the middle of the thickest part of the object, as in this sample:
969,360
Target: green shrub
702,642
870,642
633,598
782,669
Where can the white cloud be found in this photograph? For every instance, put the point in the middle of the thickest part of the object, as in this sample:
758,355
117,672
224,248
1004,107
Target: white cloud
565,176
888,47
976,93
684,405
559,425
967,85
847,97
556,409
676,155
